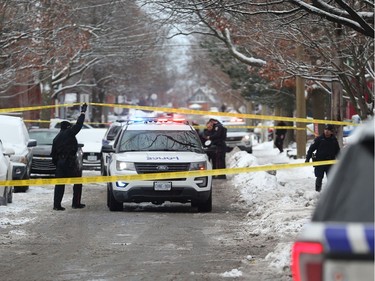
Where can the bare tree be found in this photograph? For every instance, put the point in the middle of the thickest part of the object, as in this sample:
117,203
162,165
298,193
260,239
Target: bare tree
93,46
257,32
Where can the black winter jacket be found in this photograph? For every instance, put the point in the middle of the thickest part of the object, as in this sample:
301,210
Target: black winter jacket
218,135
326,148
65,143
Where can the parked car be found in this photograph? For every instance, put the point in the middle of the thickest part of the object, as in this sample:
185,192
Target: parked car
9,171
108,139
238,136
13,134
338,243
6,192
92,149
42,160
157,147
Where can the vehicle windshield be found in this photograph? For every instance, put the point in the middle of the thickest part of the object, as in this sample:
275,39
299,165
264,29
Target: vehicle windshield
160,141
43,137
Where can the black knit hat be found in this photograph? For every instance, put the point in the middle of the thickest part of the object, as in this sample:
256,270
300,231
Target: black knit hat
329,127
65,125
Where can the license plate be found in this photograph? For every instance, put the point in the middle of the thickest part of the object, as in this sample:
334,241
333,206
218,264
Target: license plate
92,158
349,270
162,186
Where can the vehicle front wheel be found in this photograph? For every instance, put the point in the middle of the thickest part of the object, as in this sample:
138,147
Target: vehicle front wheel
113,204
206,206
22,188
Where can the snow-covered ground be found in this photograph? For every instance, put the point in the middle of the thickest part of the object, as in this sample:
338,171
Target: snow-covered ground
279,202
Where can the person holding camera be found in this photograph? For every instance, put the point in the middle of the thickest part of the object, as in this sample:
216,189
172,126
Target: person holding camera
64,156
217,136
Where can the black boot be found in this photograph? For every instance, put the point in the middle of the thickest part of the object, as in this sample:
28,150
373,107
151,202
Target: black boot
318,184
77,192
79,206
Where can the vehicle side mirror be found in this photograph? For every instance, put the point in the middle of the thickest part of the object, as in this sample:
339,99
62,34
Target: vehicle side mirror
31,143
81,145
110,137
107,148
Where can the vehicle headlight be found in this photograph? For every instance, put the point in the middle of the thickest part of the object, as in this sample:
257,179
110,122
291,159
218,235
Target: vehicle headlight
122,165
18,158
198,166
246,139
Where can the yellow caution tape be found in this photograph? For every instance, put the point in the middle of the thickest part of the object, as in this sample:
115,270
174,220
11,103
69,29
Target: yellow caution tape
184,111
197,127
49,121
40,107
159,176
228,114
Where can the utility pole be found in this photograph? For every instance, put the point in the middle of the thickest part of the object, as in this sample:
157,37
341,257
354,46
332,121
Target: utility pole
337,106
249,110
301,109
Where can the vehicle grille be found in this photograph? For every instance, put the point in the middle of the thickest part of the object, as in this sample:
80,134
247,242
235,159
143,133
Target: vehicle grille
42,163
234,138
145,168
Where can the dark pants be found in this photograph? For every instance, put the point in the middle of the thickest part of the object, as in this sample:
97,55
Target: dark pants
67,168
279,143
319,172
211,157
219,159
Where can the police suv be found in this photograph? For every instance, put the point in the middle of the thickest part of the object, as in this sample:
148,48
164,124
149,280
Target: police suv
158,146
338,243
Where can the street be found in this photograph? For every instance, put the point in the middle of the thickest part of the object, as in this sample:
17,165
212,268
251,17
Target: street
144,242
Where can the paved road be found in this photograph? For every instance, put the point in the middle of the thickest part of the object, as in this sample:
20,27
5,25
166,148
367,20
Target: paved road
147,242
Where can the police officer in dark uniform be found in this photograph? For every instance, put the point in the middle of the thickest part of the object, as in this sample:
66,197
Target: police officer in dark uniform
218,137
327,148
64,156
280,136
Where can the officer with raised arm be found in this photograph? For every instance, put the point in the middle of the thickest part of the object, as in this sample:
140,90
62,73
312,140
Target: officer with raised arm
64,156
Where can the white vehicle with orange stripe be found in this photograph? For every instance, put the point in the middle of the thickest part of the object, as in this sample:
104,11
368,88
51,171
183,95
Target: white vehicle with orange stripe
158,146
338,243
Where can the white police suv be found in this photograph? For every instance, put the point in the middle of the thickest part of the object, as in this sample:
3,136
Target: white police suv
158,146
338,243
